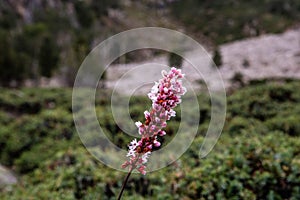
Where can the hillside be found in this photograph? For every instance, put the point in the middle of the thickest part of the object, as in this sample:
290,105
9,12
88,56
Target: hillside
51,38
225,21
257,156
242,61
255,46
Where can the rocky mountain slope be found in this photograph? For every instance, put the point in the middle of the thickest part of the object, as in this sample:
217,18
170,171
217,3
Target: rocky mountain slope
266,56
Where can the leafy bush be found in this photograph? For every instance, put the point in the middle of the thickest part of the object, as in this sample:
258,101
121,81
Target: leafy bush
289,124
257,156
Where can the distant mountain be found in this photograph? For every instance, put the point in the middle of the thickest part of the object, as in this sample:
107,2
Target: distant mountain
40,38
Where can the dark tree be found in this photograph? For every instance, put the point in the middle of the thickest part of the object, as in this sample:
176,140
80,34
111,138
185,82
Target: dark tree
217,58
101,7
11,67
175,60
84,15
48,57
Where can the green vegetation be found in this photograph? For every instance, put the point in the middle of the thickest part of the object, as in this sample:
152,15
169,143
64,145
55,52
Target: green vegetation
48,57
224,21
257,156
38,44
67,30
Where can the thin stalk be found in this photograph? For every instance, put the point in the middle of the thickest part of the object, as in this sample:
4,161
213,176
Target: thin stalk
124,184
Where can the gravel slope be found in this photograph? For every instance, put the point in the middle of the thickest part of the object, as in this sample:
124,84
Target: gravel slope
266,56
6,177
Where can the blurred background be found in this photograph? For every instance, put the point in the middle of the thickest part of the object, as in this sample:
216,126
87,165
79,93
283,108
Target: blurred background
255,46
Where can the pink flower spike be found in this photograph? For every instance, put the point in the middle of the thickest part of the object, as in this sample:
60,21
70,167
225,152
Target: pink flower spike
172,113
149,146
156,143
142,130
145,157
138,124
153,127
142,170
164,73
166,90
124,165
161,133
165,96
147,114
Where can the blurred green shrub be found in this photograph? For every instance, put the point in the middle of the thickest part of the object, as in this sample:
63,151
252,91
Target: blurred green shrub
257,156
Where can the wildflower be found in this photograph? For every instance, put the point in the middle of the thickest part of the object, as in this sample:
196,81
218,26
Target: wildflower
165,96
